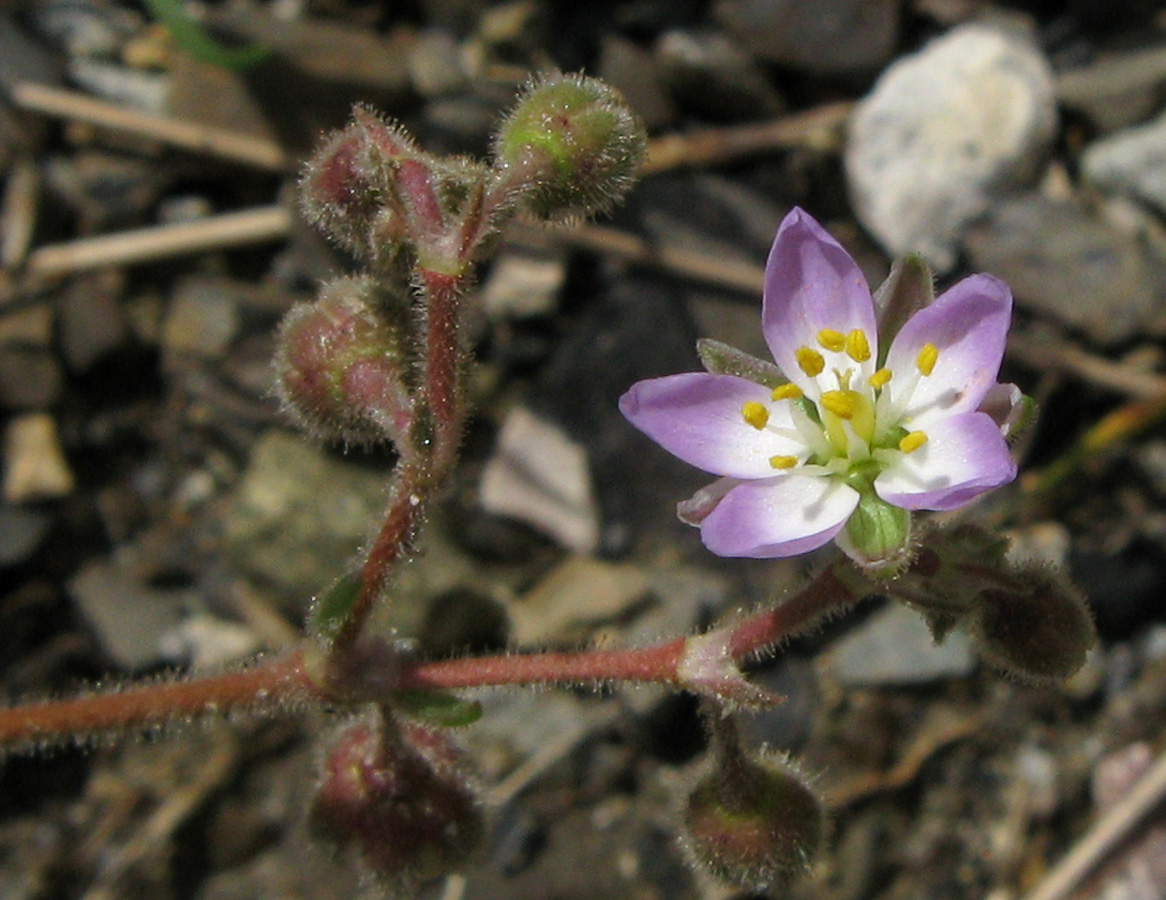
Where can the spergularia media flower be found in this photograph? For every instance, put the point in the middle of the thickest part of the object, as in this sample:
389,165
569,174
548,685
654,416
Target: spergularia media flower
845,437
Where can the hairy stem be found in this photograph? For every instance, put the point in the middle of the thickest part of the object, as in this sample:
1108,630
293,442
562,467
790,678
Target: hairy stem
284,682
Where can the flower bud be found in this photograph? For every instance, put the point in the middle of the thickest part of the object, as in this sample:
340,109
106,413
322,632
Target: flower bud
1040,632
401,800
877,536
346,186
572,145
341,363
757,826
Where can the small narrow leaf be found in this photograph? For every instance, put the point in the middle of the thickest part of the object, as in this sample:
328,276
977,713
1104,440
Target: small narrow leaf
721,359
437,708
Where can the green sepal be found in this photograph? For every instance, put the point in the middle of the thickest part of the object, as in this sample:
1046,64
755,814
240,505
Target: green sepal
331,609
877,536
721,359
437,708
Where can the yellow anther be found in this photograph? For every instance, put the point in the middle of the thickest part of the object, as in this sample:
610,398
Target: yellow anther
928,354
810,361
880,378
783,462
755,414
912,441
857,346
841,403
831,339
787,391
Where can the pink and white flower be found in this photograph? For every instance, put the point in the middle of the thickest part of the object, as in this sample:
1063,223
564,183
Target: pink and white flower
853,430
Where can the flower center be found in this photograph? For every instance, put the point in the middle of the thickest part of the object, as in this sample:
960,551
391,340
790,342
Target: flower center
851,430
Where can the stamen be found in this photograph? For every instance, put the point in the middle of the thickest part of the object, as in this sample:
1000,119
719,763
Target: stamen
787,391
912,441
857,346
810,361
755,414
880,378
783,462
928,354
831,339
841,403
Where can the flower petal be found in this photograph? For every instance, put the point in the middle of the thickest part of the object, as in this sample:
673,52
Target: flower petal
1007,406
964,456
693,510
968,325
812,284
697,417
781,516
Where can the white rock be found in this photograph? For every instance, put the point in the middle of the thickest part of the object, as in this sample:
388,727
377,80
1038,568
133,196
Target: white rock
540,476
943,130
34,464
1131,162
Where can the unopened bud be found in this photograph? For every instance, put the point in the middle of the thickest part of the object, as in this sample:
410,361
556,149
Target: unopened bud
401,800
346,186
574,145
753,821
1040,632
877,536
341,363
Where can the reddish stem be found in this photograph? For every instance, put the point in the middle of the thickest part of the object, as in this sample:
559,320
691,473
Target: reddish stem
280,682
284,681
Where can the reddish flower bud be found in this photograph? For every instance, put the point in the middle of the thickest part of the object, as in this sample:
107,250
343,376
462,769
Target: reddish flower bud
341,363
347,184
572,145
401,800
1040,633
752,822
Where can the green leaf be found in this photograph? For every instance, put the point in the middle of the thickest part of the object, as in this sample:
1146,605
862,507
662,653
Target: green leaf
193,38
332,608
438,708
721,359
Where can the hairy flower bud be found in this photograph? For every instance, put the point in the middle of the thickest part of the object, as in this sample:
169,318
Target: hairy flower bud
1040,632
572,145
347,186
341,363
401,800
753,821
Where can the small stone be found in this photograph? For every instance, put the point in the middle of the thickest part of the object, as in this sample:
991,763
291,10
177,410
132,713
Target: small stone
943,131
633,71
711,74
435,64
577,596
34,463
524,283
93,323
1060,260
30,377
21,532
540,476
203,641
147,92
1131,162
824,37
299,515
202,319
1043,542
129,619
894,647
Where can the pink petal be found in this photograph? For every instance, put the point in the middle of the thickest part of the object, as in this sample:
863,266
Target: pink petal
968,325
964,456
693,510
697,416
1005,405
812,284
781,516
